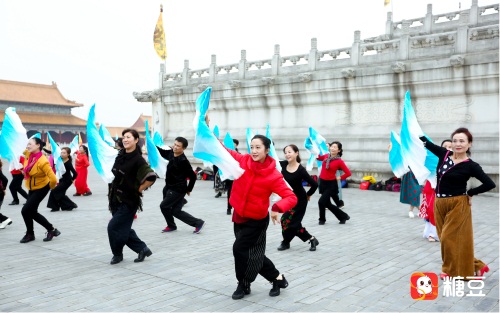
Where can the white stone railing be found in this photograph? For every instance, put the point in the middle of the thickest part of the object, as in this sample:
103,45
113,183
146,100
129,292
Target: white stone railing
460,32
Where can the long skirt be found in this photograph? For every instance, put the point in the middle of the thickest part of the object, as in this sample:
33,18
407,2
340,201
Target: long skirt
410,190
454,228
81,180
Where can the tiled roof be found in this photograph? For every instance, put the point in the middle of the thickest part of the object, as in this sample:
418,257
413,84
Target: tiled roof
33,93
48,119
139,125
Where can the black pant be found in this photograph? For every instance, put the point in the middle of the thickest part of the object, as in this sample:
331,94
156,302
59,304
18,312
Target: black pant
16,186
291,225
58,198
229,186
329,189
2,217
171,207
120,232
249,252
30,210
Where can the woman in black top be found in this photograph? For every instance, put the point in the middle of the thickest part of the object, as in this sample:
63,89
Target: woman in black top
291,222
58,200
452,206
132,176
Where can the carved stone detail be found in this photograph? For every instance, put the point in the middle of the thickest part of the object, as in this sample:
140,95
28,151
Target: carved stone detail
234,83
484,33
457,60
177,91
268,80
348,73
147,96
202,87
305,77
398,67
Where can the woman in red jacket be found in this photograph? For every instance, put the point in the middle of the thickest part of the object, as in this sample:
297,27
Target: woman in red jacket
81,165
328,186
250,200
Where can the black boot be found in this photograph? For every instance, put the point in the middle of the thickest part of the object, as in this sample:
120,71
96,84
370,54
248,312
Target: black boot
314,242
241,291
284,246
277,284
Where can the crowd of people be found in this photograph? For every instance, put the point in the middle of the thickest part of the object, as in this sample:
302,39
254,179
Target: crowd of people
445,209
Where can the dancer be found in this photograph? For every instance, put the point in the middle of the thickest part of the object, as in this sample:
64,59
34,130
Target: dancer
427,206
452,207
250,200
16,184
4,220
291,221
178,170
81,164
132,176
58,200
39,179
410,192
328,186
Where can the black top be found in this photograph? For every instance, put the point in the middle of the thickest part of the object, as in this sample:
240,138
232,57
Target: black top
295,180
178,170
70,174
452,178
130,171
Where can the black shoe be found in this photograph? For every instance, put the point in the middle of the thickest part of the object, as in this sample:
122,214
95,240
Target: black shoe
54,210
143,254
314,242
241,291
277,284
184,201
218,195
116,259
229,212
284,246
88,193
51,234
322,222
343,221
27,238
341,204
14,203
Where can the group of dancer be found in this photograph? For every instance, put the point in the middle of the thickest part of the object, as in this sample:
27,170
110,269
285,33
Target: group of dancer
38,174
250,200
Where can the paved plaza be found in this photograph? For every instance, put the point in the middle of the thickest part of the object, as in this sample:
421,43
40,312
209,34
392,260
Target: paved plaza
364,265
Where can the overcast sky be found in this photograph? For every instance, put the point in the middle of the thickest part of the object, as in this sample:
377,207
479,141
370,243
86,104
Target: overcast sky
101,51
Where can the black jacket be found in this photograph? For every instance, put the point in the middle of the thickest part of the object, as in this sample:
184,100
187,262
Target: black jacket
178,170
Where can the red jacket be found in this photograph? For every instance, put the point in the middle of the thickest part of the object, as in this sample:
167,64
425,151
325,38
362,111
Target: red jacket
250,193
335,165
19,171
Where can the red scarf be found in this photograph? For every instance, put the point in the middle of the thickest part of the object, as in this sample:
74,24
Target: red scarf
31,162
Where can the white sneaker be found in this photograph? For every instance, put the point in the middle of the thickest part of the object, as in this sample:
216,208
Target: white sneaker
411,215
8,221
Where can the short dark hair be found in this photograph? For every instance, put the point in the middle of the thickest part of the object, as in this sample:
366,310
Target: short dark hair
236,141
183,141
339,145
466,132
132,131
446,140
265,141
295,149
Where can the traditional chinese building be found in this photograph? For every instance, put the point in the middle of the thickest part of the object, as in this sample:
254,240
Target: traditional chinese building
42,108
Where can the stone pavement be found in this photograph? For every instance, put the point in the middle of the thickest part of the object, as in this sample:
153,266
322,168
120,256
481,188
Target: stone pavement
364,265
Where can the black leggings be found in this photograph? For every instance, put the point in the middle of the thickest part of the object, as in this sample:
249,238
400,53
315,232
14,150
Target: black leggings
30,210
